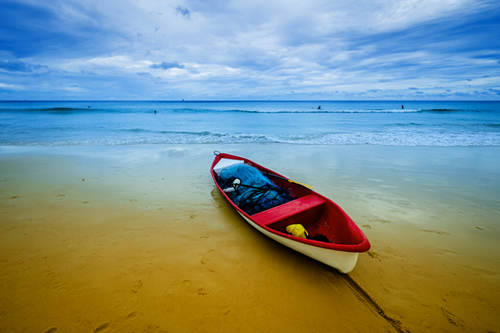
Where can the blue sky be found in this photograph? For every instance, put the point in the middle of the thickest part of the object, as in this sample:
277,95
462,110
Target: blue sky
250,49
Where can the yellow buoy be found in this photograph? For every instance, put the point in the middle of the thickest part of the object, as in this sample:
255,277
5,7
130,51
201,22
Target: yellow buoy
297,230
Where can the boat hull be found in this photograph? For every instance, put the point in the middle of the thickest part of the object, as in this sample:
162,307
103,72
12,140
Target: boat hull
322,218
340,260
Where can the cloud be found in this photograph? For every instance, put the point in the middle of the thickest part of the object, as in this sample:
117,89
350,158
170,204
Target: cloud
19,66
166,65
8,86
250,49
55,28
183,11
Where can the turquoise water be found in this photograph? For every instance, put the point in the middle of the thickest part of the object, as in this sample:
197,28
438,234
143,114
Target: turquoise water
428,123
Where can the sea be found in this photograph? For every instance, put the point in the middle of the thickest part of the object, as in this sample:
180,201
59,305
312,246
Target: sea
391,123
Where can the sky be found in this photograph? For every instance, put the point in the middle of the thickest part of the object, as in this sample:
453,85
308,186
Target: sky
250,49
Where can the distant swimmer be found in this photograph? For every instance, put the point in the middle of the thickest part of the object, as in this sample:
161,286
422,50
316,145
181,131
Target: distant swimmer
402,106
319,107
155,111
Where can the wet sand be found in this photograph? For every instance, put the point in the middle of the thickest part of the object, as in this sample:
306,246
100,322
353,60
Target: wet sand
136,239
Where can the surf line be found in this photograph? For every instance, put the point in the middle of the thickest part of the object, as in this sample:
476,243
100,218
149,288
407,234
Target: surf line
366,298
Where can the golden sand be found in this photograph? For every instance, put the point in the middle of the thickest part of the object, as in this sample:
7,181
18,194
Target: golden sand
143,243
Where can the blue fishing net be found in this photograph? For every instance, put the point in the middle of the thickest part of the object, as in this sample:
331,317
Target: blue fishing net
256,192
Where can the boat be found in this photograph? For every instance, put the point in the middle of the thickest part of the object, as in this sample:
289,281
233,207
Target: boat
340,240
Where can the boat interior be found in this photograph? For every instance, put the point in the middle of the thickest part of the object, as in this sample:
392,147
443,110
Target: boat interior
323,220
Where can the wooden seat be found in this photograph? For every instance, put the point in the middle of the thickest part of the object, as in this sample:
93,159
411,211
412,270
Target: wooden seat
288,209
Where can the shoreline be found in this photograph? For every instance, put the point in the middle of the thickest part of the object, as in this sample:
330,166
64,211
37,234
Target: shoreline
90,239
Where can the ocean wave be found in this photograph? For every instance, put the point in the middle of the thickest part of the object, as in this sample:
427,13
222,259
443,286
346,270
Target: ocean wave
57,110
205,110
161,110
444,110
69,110
330,138
410,124
196,110
62,109
142,130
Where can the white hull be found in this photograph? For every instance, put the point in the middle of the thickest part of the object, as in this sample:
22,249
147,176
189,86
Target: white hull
341,260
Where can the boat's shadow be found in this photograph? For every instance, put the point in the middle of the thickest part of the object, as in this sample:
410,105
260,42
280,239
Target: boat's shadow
302,267
278,251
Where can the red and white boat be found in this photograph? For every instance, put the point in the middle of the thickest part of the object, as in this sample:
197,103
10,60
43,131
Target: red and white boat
343,240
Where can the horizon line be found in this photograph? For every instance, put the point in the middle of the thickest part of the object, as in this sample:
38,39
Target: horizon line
247,100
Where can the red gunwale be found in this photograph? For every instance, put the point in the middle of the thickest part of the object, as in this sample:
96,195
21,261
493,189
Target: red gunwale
362,246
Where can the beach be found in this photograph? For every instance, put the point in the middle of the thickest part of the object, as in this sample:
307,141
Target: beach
136,238
368,199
